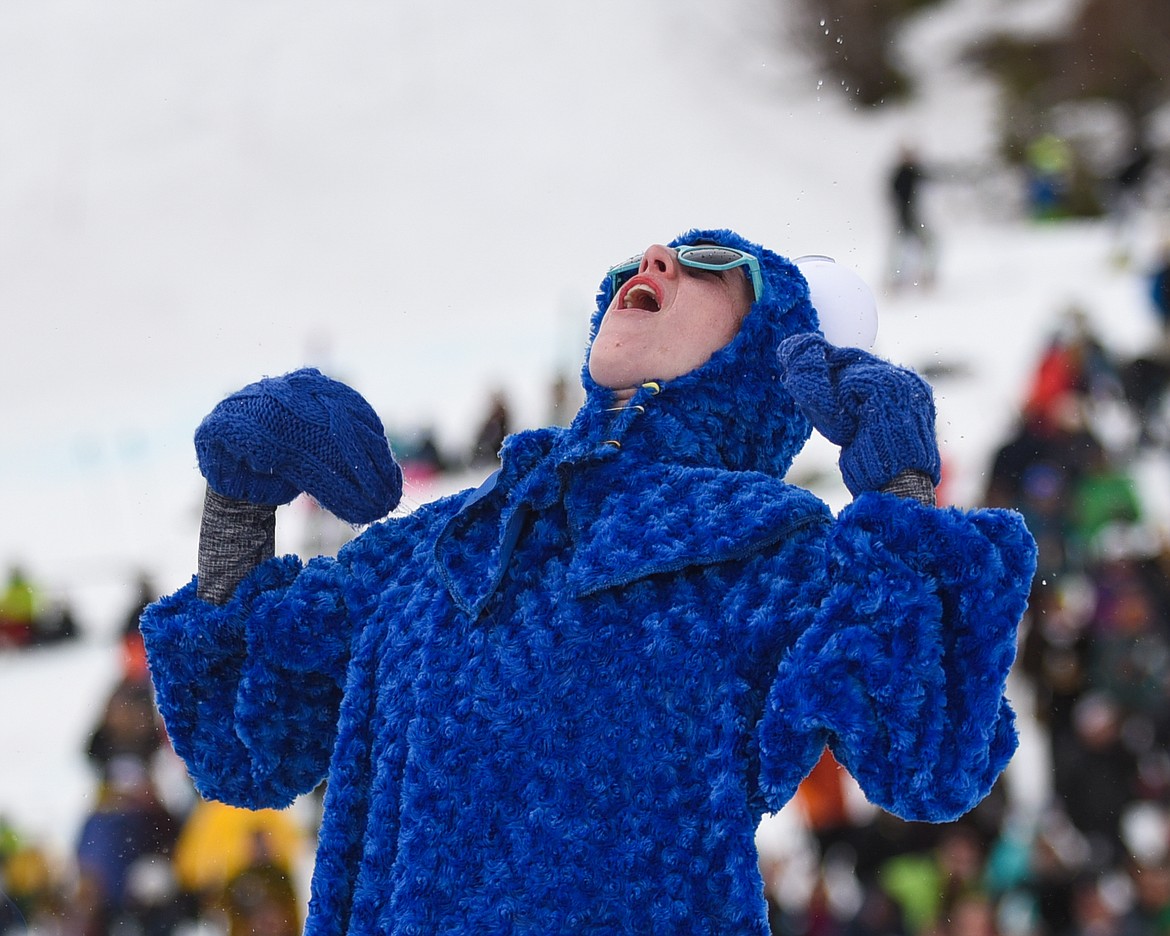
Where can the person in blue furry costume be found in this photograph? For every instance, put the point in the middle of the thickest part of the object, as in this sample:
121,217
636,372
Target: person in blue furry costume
562,702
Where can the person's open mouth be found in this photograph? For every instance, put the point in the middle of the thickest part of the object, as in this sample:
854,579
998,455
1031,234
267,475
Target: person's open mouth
641,294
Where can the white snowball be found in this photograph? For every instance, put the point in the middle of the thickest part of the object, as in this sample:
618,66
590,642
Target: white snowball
845,305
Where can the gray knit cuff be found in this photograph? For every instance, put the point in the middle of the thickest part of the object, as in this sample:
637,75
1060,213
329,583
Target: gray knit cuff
234,538
912,484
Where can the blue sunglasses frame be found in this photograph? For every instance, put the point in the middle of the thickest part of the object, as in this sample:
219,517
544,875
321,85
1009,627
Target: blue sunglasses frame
700,257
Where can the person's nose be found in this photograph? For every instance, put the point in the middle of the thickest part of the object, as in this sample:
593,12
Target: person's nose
659,259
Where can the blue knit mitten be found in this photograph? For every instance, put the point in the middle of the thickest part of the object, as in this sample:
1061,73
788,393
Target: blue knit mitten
300,432
881,415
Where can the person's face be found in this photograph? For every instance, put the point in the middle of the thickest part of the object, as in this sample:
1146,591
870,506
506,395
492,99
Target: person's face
666,320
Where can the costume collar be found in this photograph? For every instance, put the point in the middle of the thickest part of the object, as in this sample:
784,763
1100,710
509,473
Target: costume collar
473,548
629,522
629,516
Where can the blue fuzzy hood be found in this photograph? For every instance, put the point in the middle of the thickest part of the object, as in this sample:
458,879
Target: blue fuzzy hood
732,412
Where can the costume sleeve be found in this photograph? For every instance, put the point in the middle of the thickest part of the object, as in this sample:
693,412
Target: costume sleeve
250,690
902,666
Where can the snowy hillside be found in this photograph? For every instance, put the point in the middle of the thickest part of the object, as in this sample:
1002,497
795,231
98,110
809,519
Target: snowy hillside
421,198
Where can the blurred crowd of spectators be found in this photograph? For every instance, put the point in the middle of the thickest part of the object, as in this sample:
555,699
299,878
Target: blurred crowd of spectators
151,857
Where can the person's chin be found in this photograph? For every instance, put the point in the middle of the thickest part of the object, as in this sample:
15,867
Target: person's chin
613,379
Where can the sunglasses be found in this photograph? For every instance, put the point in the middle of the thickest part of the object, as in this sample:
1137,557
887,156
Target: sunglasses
699,257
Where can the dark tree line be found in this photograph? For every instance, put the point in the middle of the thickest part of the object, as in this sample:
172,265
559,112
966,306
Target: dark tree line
853,40
1113,51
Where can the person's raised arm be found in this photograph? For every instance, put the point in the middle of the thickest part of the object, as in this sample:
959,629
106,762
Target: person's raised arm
903,666
249,659
264,445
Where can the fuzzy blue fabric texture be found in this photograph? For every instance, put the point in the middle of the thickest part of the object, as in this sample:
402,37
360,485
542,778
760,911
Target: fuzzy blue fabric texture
882,416
562,703
303,431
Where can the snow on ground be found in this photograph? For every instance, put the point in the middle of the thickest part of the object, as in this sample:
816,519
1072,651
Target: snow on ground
421,199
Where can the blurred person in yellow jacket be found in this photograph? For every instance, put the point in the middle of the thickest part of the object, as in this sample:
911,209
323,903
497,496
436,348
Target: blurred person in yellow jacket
218,842
19,604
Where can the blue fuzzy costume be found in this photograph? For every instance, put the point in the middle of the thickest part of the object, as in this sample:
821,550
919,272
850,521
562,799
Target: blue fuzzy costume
563,702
